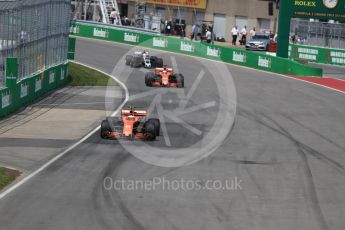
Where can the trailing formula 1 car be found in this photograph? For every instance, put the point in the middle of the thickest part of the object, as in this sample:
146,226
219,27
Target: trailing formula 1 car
133,124
164,77
143,59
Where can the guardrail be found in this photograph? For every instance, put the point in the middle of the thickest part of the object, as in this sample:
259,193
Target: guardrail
251,59
17,94
317,54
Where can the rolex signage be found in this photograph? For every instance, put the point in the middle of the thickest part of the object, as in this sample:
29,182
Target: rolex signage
316,9
320,9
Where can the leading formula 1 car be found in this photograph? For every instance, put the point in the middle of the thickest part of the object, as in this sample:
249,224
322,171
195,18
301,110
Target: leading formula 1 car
164,77
133,124
143,59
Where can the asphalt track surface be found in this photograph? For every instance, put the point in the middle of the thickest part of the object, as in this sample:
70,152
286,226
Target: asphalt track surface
331,70
286,147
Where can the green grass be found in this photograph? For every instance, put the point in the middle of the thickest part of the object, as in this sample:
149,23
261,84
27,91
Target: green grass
7,176
83,76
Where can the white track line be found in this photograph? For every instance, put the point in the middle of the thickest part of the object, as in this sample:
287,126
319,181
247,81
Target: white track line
313,83
37,171
239,66
77,103
174,64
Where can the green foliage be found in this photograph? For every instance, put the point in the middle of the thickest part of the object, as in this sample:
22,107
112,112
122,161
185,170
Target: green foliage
7,176
82,76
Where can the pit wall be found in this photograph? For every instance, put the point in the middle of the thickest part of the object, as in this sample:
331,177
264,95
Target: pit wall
317,54
20,93
250,59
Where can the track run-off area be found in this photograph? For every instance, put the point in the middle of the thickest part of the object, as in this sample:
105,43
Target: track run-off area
239,149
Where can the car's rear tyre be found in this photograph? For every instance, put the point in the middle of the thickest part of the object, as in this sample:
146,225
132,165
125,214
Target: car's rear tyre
159,62
153,60
179,80
157,125
149,78
158,79
105,127
137,62
129,59
150,131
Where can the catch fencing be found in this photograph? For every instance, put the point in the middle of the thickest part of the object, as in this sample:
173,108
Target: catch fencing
33,44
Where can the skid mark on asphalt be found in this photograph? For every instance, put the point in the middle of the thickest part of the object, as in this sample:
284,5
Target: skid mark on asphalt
302,150
115,197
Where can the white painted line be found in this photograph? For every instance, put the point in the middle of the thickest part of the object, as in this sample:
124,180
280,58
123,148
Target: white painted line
31,175
313,83
239,66
81,103
174,64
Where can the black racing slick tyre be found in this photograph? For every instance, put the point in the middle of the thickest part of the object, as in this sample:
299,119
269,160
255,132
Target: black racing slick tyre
159,63
179,81
129,59
150,131
149,78
105,127
153,60
157,125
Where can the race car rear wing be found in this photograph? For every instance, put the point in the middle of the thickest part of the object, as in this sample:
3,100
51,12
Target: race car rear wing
160,70
135,112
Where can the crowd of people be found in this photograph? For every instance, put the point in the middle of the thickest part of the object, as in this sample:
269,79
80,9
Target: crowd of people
297,40
203,32
242,35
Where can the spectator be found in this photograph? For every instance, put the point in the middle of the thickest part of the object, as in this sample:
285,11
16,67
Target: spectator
243,36
293,38
168,27
275,37
182,33
234,33
125,21
113,16
208,36
194,32
252,33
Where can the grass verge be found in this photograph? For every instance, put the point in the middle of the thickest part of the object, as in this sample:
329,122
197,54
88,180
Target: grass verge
7,176
80,75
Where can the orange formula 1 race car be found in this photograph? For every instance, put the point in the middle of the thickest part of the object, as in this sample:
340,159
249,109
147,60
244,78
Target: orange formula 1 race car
133,124
164,77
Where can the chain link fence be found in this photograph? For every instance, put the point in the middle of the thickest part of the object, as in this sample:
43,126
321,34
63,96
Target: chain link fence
322,34
34,31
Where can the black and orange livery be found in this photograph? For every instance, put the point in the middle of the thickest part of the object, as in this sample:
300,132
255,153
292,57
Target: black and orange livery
164,77
133,124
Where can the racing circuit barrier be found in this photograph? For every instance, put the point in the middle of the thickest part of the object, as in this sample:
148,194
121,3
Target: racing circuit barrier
317,54
251,59
17,94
